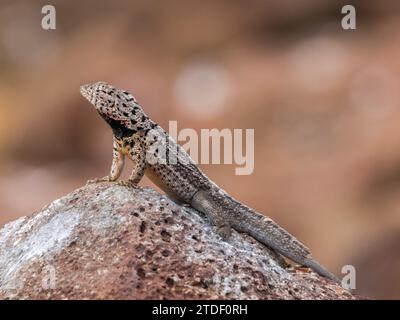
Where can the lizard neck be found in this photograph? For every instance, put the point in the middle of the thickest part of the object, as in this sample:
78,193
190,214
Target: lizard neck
120,131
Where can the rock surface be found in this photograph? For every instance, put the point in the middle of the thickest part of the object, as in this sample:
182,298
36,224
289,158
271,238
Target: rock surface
108,241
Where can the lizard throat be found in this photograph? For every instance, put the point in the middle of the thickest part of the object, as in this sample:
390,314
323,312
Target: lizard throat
119,130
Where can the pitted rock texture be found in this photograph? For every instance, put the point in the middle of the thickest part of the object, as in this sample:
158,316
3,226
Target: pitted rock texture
108,241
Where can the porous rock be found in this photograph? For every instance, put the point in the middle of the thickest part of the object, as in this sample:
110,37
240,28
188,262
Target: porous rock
109,241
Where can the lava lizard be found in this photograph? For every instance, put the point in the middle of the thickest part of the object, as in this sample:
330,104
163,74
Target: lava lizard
155,153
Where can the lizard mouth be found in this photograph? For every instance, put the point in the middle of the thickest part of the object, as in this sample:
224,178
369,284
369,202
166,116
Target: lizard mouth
85,92
89,93
109,111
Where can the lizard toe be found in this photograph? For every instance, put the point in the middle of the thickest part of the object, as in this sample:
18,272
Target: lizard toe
224,231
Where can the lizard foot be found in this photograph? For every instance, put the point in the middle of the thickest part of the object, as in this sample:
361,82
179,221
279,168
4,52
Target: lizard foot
129,184
104,179
223,231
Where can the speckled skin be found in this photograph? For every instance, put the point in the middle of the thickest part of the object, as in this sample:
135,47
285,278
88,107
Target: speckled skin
155,153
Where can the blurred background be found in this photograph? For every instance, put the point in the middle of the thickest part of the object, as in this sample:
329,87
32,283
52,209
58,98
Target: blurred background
324,103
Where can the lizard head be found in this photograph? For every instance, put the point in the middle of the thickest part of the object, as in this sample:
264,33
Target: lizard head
117,107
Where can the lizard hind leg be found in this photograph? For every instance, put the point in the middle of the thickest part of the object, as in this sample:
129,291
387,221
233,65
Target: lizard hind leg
202,202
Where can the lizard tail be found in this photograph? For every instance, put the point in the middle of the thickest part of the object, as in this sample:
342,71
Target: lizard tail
318,268
267,231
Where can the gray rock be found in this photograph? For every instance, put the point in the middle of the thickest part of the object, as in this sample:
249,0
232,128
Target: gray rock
108,241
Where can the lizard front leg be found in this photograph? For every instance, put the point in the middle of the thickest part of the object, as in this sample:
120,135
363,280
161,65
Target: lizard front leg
137,155
116,167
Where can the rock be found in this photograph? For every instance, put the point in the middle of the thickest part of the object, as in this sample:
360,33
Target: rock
108,241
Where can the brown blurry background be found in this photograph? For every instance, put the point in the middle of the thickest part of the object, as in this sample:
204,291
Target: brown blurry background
324,103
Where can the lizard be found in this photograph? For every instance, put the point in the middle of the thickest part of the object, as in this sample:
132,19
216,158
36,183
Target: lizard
154,153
